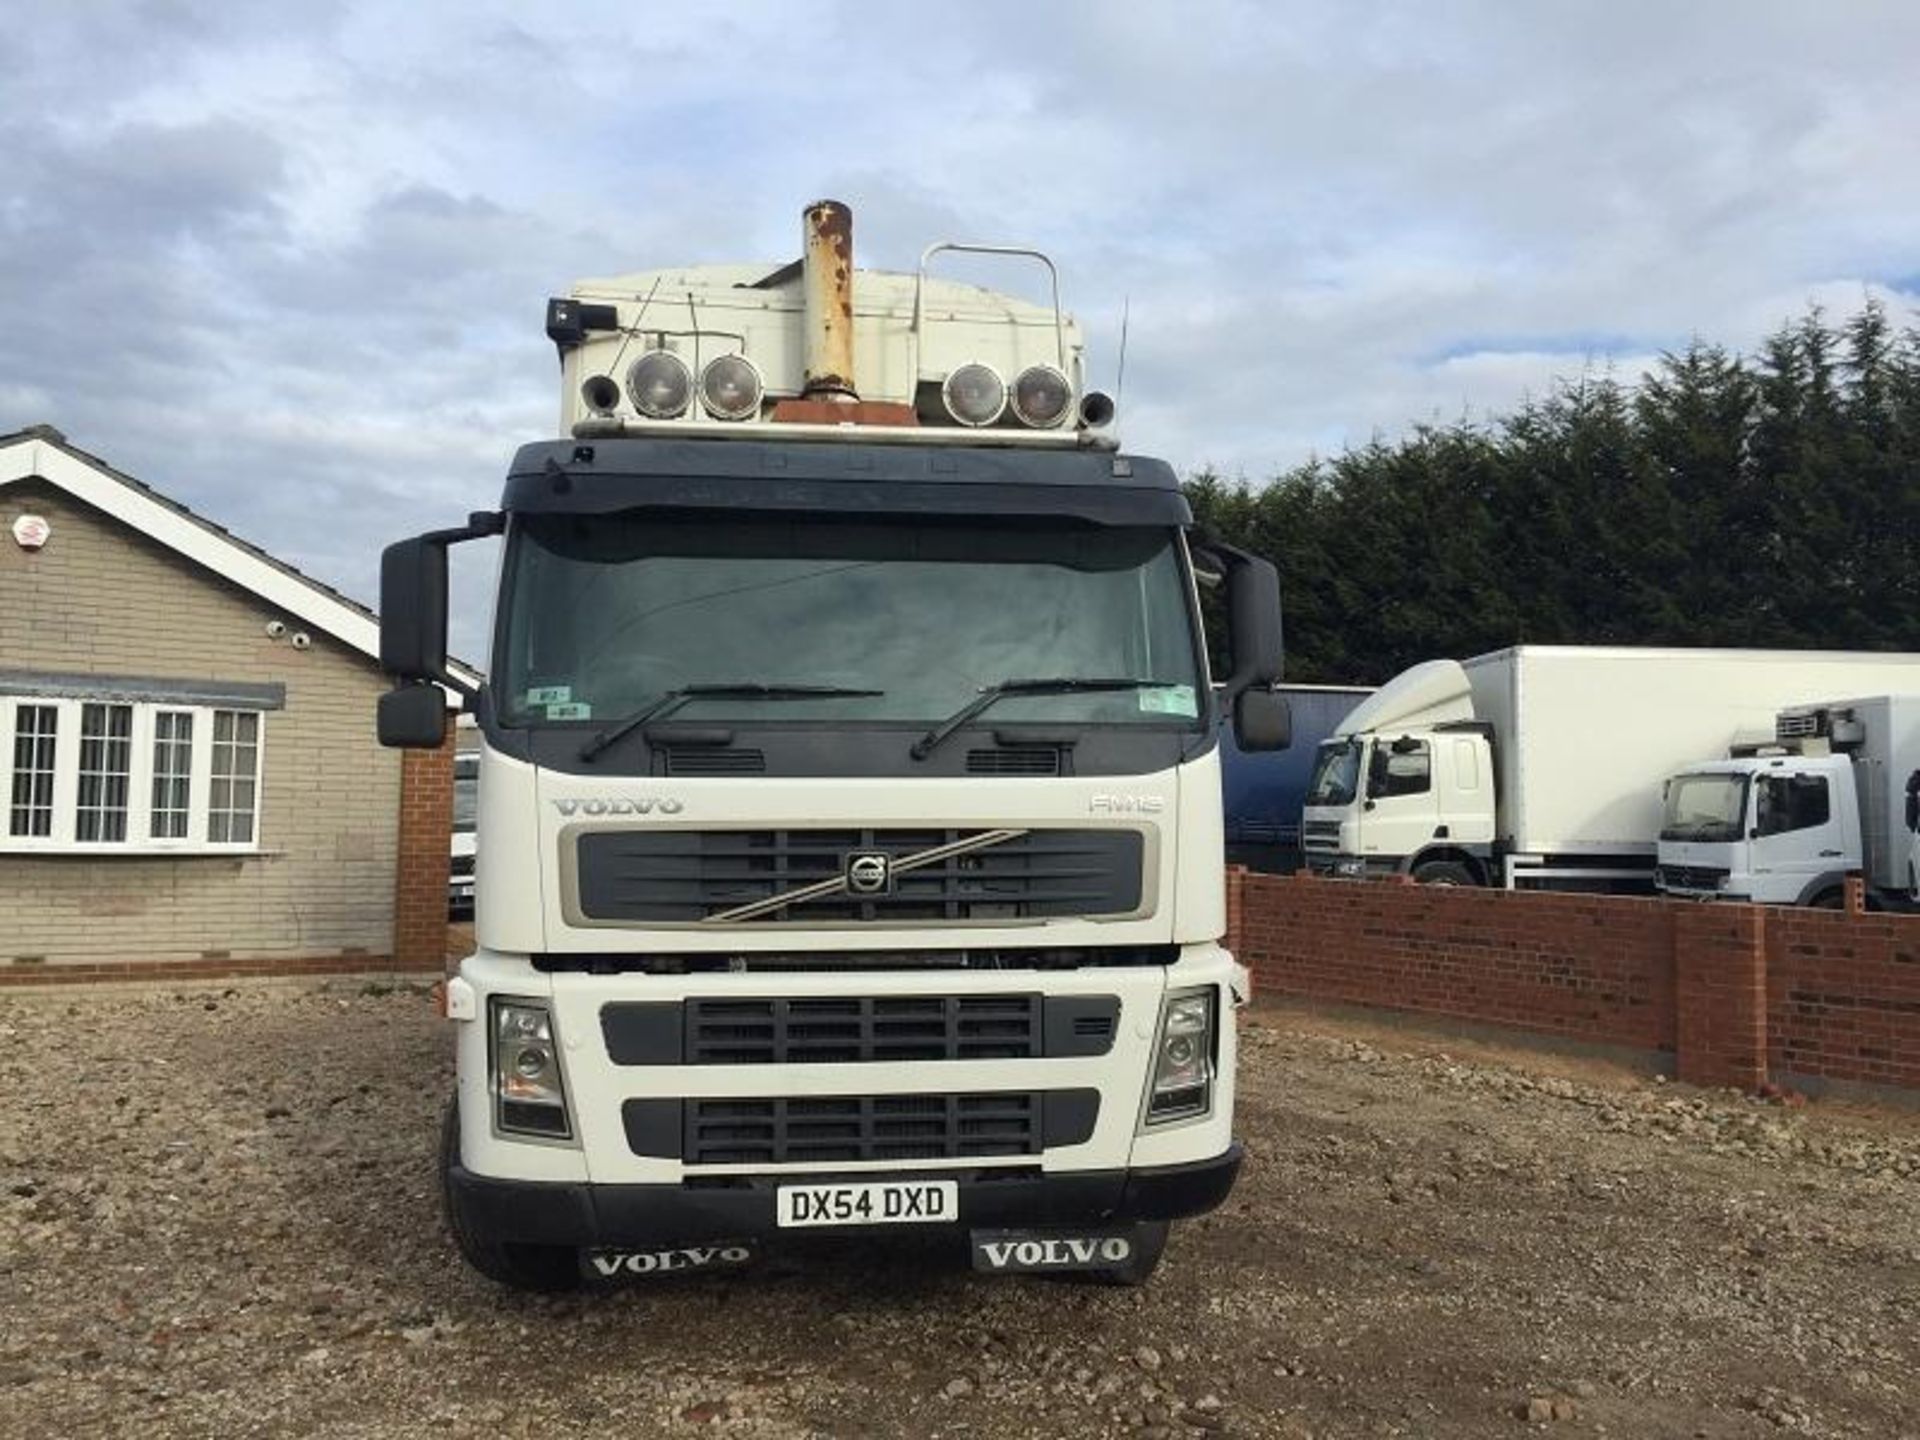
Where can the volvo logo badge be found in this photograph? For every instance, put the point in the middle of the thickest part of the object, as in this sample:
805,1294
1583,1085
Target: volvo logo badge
869,872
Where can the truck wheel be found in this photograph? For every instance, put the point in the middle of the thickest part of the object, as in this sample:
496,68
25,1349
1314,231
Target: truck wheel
1829,900
1149,1242
1443,872
548,1269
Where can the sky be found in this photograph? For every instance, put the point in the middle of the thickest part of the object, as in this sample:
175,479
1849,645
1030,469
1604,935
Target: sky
288,264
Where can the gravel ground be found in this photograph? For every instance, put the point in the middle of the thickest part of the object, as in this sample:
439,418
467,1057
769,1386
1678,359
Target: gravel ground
218,1216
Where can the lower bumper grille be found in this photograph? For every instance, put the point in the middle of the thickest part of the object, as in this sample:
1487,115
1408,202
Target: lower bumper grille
838,1129
1692,877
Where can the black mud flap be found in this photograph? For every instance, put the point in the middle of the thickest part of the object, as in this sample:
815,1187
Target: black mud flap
614,1266
1030,1252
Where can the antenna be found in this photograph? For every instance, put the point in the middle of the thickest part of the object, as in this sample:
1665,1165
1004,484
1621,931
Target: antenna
634,329
1120,380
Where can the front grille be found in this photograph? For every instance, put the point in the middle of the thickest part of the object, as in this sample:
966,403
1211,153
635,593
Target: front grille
460,865
837,1129
825,1129
1692,877
857,1028
1320,835
685,876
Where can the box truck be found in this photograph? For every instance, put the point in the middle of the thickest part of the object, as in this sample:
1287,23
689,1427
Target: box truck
849,842
1542,766
1836,794
1265,790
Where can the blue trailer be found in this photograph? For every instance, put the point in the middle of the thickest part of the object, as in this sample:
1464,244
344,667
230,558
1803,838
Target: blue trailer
1265,792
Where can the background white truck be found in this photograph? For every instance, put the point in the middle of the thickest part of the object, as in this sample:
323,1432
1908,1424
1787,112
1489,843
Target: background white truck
849,845
1836,794
1542,766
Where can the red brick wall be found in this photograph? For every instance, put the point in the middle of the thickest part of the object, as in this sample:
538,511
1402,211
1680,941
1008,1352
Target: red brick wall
1843,996
420,878
1569,965
1735,992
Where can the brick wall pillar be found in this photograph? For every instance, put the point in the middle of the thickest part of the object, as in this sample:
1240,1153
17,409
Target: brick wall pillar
420,879
1720,994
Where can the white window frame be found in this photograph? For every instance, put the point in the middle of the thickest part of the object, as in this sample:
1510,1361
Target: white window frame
66,780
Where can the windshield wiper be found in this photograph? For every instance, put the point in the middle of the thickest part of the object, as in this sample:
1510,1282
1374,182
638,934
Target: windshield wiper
674,699
990,694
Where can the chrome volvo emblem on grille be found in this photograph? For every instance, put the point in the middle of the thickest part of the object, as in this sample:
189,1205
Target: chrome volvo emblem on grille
869,872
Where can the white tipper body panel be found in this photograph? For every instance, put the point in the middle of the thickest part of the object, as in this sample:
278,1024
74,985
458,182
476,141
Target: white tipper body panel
735,313
522,910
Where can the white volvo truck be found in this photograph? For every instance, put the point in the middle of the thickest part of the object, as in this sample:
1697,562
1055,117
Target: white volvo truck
1836,794
850,844
1541,766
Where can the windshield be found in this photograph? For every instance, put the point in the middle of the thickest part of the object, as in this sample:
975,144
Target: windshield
1336,773
608,614
1705,807
466,794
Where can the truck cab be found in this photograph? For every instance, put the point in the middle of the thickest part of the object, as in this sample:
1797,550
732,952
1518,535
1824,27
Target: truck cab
1779,829
1408,801
1405,785
1836,793
850,837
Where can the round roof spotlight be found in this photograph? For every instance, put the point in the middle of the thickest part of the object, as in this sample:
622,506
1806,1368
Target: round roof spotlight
660,385
600,394
1042,396
975,394
730,388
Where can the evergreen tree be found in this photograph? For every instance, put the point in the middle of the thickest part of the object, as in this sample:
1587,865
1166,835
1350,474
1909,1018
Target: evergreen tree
1771,501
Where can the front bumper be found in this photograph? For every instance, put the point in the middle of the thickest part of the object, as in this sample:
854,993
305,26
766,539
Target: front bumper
589,1215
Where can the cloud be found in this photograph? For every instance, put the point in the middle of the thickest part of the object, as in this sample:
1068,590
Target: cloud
289,265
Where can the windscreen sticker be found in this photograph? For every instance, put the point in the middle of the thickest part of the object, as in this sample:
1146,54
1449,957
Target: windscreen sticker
1170,700
549,694
578,710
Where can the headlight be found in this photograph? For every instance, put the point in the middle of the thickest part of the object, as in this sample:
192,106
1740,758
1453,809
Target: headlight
1042,396
660,385
529,1095
975,394
730,388
1183,1057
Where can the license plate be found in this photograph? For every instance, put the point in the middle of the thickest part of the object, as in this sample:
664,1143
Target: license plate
892,1202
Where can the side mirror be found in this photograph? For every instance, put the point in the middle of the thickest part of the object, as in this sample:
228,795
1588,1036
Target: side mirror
413,716
1262,720
1913,811
1253,618
413,609
413,600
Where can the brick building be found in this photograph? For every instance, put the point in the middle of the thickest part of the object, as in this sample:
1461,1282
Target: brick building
188,768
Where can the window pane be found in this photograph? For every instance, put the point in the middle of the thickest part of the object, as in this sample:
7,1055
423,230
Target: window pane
106,757
231,795
34,736
172,762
